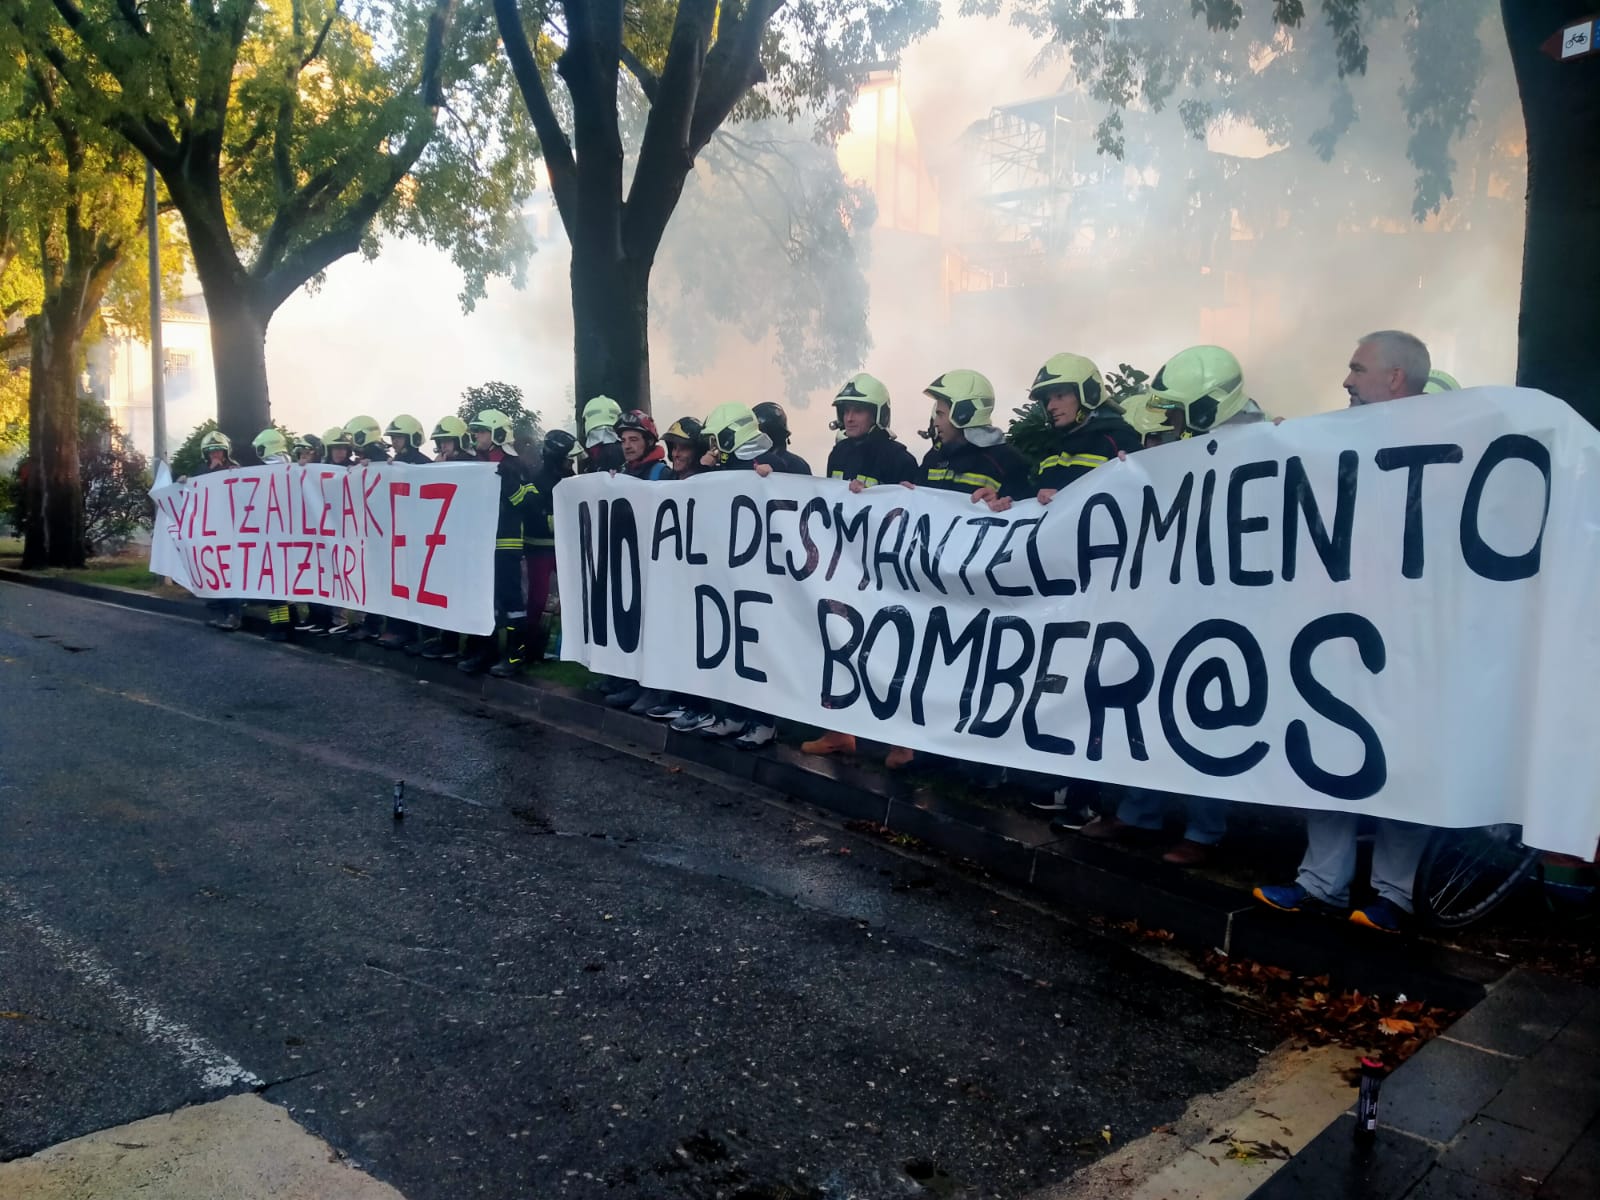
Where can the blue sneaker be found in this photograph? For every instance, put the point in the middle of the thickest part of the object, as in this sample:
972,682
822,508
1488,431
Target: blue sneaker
1292,898
1382,915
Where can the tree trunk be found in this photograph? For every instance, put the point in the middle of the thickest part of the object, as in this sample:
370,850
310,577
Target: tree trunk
611,334
1558,327
53,534
238,342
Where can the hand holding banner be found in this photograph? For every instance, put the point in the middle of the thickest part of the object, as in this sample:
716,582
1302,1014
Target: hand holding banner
1382,610
388,538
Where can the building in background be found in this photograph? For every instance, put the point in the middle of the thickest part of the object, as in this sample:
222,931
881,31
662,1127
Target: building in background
118,367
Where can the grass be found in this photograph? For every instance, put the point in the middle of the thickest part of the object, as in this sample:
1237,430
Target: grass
567,674
118,573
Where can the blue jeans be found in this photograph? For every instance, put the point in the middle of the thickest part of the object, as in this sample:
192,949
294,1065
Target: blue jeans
1206,819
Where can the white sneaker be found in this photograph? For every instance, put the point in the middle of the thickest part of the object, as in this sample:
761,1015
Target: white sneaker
726,727
755,736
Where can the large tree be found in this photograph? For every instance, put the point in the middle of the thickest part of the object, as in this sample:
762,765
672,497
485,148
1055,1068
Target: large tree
289,133
74,206
694,65
1294,68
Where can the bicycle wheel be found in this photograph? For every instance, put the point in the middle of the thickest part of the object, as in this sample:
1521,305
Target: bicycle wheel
1465,874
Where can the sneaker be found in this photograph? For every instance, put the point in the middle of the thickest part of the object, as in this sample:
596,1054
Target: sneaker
506,668
756,735
228,624
667,710
1073,817
1058,802
432,649
724,727
1292,898
1106,829
648,698
1383,915
831,743
307,626
692,721
392,641
624,697
339,628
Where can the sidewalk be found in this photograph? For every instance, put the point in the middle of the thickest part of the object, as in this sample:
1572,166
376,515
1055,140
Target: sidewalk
1504,1104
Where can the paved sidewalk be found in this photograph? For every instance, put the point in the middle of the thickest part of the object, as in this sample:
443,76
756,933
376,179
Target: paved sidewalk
1506,1103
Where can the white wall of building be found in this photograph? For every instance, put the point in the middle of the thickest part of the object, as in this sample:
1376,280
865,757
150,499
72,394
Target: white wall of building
119,376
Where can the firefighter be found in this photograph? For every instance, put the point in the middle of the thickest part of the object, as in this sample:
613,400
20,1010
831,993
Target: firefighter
867,455
406,436
539,536
367,437
338,447
450,444
491,429
307,449
686,443
216,453
968,454
737,443
451,440
309,618
1200,392
272,449
602,448
1440,381
643,457
774,422
1088,425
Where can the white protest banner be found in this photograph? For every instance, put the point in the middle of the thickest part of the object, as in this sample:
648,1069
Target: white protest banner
164,557
1385,610
386,538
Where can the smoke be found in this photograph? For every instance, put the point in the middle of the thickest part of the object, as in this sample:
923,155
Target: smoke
1240,240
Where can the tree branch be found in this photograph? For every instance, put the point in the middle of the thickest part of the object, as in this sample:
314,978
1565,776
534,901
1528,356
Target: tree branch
322,36
279,282
732,68
646,78
553,142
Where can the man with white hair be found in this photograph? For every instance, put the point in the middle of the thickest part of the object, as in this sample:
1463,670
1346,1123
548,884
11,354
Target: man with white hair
1388,365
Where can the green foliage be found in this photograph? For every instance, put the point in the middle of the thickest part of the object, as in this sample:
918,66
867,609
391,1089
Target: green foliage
13,407
769,203
507,397
1288,72
187,459
116,484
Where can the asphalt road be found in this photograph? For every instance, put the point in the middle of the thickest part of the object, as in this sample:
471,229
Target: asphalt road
567,972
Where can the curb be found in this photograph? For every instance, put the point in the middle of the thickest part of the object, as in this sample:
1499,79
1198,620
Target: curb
1070,872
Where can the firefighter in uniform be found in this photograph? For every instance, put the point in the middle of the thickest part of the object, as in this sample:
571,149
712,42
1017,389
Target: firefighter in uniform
866,455
492,431
1199,392
366,438
774,422
602,447
272,448
968,455
216,453
406,435
309,618
338,448
539,536
451,443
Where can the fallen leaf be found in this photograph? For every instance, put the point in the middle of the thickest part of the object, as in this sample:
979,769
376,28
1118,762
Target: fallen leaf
1395,1025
